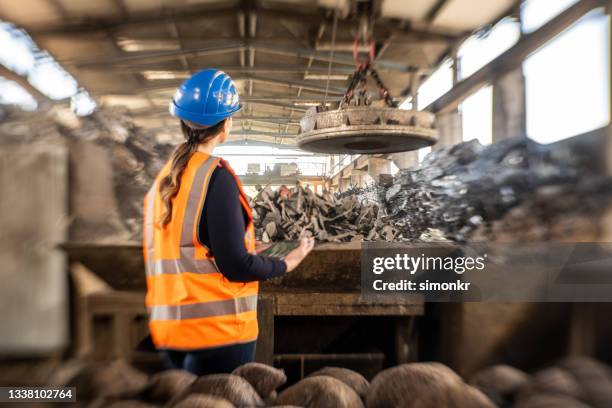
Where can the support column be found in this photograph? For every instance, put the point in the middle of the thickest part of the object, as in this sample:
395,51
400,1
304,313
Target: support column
450,129
332,163
450,125
405,160
344,183
378,166
357,178
333,184
509,115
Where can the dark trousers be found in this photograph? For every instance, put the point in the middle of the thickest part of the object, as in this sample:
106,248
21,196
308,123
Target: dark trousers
210,361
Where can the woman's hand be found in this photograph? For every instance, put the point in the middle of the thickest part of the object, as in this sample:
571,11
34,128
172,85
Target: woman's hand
296,256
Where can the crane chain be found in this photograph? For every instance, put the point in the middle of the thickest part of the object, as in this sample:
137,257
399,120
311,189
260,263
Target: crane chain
361,75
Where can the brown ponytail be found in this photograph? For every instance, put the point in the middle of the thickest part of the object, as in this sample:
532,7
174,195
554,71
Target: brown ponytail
170,184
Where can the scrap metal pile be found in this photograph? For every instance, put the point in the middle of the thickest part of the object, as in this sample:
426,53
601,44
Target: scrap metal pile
454,192
465,187
291,214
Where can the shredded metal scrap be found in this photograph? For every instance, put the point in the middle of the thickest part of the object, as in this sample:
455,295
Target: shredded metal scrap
454,191
305,213
458,188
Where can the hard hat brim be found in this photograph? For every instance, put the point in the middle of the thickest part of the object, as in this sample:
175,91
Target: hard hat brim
198,118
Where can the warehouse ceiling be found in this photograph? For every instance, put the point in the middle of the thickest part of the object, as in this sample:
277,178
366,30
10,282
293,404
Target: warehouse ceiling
134,53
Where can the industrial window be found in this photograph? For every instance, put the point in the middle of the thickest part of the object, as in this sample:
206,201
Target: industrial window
406,104
15,53
481,48
535,13
477,116
13,94
474,53
21,55
440,82
567,80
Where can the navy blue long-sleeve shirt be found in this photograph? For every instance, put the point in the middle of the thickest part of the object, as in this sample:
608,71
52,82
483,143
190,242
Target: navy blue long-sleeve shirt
222,229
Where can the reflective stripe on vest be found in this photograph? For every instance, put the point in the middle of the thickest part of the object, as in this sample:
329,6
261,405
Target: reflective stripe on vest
196,310
191,304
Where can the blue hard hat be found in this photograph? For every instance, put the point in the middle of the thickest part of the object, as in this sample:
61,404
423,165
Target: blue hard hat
206,98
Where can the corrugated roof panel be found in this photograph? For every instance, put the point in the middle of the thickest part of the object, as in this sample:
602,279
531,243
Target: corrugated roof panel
150,5
80,9
468,15
402,9
29,12
79,48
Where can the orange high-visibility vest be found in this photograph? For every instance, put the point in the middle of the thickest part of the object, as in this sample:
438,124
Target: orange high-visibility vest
191,304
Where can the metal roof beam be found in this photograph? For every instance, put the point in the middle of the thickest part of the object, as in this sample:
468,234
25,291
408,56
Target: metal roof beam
264,98
273,120
186,15
266,123
260,133
221,10
269,119
237,69
221,47
339,58
435,10
310,85
277,120
90,25
279,105
239,45
263,121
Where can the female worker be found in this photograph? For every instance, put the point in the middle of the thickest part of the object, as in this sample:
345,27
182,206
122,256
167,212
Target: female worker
199,244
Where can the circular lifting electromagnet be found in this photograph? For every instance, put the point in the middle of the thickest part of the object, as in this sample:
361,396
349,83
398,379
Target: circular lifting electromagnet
359,127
